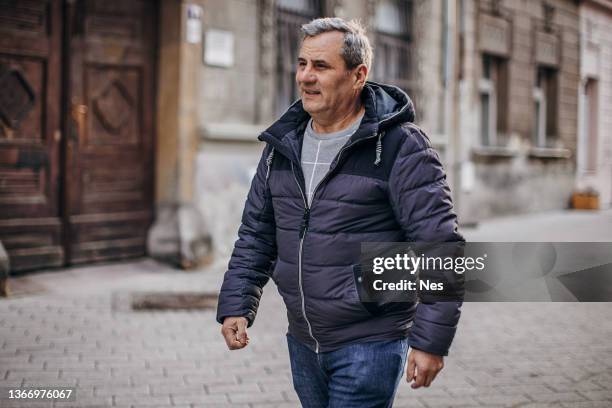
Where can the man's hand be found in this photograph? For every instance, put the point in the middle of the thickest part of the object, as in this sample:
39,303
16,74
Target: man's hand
234,332
423,368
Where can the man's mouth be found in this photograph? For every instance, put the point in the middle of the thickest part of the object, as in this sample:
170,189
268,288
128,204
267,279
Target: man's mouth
309,92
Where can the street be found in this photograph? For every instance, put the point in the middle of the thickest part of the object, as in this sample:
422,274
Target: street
74,327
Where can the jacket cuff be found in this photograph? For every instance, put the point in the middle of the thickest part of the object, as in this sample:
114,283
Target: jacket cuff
433,338
434,327
250,316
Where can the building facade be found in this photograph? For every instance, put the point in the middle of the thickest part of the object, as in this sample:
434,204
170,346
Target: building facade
131,127
518,106
594,159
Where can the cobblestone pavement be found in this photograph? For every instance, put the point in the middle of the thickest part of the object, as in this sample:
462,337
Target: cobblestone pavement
74,328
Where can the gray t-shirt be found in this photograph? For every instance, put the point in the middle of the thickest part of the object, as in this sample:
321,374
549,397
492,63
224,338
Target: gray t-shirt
318,151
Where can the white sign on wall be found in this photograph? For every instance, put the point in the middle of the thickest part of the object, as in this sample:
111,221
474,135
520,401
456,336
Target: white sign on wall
193,29
219,48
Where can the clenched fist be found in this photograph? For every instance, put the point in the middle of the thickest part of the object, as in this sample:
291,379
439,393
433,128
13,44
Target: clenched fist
423,368
234,332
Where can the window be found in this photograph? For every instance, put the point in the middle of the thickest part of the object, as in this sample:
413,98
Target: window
590,123
393,60
291,14
539,129
545,108
492,88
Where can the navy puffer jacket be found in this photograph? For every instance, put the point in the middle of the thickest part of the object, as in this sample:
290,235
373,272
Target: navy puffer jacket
385,185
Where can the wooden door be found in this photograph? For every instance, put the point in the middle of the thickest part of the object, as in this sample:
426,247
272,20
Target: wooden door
109,161
30,115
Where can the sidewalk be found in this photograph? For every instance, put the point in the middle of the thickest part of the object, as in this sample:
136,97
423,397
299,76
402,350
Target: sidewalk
73,328
554,226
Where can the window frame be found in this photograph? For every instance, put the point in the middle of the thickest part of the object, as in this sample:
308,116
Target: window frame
546,87
486,86
539,135
591,124
494,82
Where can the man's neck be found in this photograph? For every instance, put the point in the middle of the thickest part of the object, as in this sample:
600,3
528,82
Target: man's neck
321,125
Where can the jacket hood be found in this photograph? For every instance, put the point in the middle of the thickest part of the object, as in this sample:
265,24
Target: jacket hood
389,104
385,106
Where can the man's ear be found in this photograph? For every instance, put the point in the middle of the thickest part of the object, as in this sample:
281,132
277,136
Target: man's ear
360,75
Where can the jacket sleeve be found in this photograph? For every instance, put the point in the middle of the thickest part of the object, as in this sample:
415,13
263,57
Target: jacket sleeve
423,206
254,252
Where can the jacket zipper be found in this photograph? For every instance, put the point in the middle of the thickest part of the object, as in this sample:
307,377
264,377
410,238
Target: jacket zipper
304,229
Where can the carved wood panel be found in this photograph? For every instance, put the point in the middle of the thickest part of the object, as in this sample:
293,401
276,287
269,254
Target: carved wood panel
114,95
30,78
24,16
21,105
109,174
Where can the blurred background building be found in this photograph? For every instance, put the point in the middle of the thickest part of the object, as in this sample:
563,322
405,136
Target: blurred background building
594,158
129,127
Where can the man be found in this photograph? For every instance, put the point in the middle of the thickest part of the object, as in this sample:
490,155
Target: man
343,165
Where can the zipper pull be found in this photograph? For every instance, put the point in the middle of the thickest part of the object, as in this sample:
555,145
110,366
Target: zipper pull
305,220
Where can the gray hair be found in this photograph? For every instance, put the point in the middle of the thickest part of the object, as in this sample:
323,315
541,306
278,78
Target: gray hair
356,49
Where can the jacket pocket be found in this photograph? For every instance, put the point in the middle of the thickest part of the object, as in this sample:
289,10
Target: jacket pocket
361,294
376,303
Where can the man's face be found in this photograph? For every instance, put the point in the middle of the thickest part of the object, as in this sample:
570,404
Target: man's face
325,83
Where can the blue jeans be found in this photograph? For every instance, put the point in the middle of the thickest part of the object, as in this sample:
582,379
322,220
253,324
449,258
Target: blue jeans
358,375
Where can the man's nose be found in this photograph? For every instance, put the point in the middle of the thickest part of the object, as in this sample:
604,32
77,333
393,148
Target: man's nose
306,75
